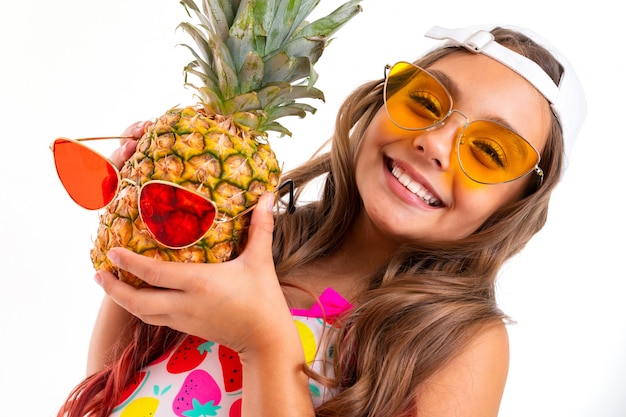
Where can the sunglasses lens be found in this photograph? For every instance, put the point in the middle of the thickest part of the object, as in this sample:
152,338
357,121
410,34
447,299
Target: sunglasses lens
89,179
176,217
415,99
490,153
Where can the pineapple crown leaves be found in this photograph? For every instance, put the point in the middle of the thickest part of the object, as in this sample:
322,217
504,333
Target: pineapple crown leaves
255,58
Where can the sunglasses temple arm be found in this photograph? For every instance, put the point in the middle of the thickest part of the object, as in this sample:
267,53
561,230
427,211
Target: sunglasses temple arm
291,208
539,172
104,138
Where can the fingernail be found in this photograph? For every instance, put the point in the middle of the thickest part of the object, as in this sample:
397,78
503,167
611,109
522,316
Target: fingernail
270,202
143,126
113,257
98,278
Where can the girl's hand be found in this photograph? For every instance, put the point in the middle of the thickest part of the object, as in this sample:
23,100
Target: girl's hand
238,303
127,146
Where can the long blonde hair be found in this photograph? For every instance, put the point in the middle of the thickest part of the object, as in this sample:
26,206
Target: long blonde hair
423,306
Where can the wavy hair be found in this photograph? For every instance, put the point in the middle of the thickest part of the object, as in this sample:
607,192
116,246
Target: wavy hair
429,300
421,308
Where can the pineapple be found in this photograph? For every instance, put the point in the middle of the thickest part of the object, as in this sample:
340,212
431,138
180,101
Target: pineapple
254,61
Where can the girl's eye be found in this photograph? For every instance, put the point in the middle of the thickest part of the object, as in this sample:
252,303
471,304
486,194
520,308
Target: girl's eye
488,152
425,105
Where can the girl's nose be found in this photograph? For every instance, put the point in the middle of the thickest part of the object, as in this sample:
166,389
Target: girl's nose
438,142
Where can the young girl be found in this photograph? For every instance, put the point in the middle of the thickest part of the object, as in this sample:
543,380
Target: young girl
378,299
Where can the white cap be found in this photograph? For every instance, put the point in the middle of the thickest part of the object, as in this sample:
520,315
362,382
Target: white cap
567,99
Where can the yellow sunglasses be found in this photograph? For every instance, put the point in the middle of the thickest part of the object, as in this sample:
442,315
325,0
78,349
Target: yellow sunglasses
488,152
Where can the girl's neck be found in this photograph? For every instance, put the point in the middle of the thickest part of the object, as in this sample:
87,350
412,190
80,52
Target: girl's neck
368,245
348,269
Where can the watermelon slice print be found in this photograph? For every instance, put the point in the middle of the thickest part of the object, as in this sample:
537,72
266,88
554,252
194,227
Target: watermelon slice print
231,369
132,389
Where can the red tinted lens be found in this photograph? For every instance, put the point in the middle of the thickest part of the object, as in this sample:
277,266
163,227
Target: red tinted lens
176,217
88,177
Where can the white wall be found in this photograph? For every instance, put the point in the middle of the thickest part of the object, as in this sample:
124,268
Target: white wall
84,68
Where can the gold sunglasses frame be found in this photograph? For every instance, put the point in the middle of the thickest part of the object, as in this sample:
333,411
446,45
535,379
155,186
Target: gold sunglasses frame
459,140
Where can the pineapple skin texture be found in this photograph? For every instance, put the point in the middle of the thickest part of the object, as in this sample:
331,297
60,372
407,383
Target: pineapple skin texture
206,153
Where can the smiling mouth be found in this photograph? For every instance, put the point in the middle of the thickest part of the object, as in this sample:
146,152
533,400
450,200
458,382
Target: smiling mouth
413,186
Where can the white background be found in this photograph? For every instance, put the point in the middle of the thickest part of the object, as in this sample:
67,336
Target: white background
85,68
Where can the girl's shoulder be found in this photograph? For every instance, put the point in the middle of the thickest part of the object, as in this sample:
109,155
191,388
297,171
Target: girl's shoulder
473,380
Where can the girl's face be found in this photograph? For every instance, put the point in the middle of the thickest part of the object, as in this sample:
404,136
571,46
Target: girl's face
451,205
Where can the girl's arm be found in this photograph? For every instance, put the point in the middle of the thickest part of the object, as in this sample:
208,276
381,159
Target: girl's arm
112,320
274,383
472,384
111,328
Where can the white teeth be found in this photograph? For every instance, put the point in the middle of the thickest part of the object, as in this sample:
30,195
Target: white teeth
415,187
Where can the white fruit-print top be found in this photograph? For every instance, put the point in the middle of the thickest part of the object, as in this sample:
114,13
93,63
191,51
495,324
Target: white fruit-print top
199,378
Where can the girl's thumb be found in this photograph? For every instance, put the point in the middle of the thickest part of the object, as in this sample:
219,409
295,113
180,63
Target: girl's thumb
262,225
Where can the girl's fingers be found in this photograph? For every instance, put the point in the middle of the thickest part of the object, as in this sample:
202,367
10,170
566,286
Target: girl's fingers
136,130
147,304
121,154
127,146
159,274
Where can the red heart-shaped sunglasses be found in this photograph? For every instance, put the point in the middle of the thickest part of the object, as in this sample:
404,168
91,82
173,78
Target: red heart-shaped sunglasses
175,216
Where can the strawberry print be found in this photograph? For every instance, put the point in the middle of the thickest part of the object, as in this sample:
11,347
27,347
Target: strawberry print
231,369
189,354
199,396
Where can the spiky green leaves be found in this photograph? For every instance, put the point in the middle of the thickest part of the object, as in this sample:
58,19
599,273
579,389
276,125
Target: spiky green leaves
255,58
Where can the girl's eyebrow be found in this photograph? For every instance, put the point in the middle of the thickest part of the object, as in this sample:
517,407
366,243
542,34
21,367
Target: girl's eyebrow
454,91
447,82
